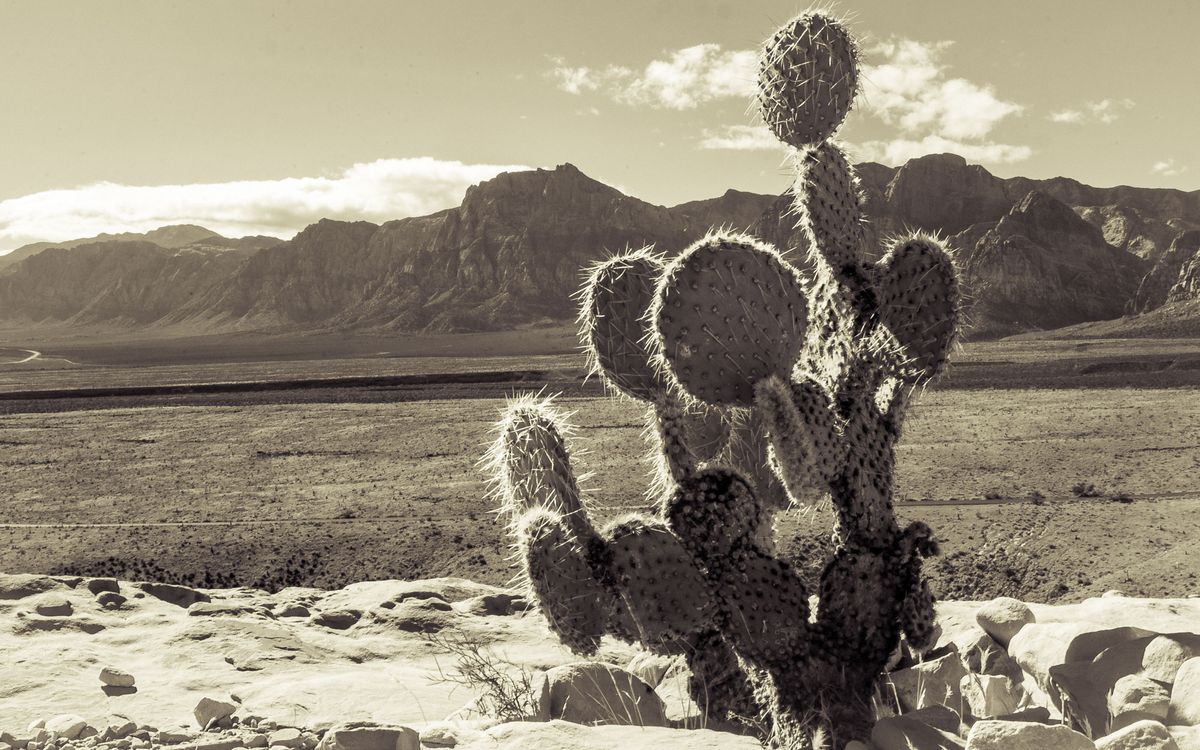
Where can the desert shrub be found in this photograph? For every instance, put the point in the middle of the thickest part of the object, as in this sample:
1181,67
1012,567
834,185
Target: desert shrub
1122,497
1037,498
506,690
1085,489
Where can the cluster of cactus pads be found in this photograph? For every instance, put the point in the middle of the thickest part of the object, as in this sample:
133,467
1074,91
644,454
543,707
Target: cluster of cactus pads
767,386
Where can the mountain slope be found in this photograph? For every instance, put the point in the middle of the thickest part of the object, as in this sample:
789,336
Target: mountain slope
1038,254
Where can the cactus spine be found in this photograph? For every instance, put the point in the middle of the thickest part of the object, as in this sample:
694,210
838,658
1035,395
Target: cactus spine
761,386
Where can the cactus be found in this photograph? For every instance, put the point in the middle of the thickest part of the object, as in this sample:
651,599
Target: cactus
763,387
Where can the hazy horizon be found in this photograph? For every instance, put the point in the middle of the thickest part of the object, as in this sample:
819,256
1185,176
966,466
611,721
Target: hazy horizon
259,119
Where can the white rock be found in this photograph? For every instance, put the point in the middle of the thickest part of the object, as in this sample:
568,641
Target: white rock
209,710
367,736
929,683
1188,738
1165,655
166,737
1002,617
1137,693
116,677
596,693
1142,735
67,726
53,605
990,696
287,737
991,734
1185,694
36,724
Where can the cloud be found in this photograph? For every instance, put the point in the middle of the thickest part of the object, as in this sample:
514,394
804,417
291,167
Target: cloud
906,85
377,191
741,138
1167,168
901,150
1104,111
685,79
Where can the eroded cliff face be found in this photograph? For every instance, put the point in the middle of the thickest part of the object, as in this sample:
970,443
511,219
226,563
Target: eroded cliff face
1042,267
1187,283
1040,254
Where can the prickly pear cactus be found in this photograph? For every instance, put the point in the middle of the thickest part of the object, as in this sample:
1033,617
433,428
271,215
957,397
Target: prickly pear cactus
763,386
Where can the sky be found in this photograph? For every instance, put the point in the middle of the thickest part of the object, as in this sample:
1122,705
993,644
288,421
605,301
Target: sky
262,117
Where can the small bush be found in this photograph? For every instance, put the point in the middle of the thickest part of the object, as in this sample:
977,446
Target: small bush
1037,498
1085,489
1122,497
507,691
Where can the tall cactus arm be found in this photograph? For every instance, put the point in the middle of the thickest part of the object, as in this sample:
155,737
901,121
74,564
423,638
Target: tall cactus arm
829,205
919,304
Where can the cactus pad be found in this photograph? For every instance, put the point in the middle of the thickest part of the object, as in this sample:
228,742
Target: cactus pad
557,571
661,586
615,298
729,312
713,512
918,303
828,203
807,79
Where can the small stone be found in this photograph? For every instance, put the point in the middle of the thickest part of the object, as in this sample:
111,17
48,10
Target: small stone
1140,696
258,740
67,726
116,677
439,737
209,711
166,737
1002,617
992,734
181,596
1185,695
1142,735
288,737
990,696
598,693
119,731
53,605
935,681
1166,654
225,743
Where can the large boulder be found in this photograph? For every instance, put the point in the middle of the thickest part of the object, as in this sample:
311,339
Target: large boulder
209,711
1135,697
1185,695
990,696
1003,617
596,693
934,681
1166,654
370,736
1141,735
992,734
66,726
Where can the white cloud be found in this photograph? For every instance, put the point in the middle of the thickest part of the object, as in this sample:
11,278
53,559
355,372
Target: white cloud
1104,111
741,138
377,191
906,85
1168,168
901,150
686,79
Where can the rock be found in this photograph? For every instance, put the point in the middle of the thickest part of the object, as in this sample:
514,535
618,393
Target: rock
1002,617
209,710
223,609
53,605
1038,647
67,726
339,619
1136,697
935,681
1167,653
116,677
982,655
286,737
1188,738
181,596
110,600
1142,735
650,668
938,717
439,736
21,585
368,736
907,733
597,693
224,743
291,609
1185,695
429,615
989,696
165,737
991,734
491,605
258,740
100,585
1083,684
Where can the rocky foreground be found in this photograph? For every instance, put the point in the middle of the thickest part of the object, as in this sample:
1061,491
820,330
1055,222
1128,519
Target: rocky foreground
99,663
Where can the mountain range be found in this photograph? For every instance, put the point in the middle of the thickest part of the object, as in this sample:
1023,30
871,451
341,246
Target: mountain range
1035,254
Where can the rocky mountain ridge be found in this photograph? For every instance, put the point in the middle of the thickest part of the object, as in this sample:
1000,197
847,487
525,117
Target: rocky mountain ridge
1037,254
